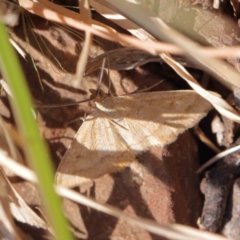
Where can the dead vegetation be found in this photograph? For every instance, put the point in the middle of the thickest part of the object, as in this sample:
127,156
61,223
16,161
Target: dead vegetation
134,159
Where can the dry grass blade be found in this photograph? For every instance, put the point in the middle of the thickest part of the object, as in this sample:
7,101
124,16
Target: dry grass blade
174,231
47,10
18,48
82,61
5,86
19,169
217,157
206,140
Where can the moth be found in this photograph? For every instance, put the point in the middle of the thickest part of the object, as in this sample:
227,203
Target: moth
120,127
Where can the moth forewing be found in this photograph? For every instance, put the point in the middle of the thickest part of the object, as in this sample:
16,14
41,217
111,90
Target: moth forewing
97,144
122,127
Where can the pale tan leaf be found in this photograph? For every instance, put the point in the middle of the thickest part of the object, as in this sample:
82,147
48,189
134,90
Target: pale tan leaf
122,59
23,213
121,127
126,59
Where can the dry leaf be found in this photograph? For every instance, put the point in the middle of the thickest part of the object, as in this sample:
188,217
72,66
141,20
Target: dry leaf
8,228
127,58
122,59
12,205
19,209
121,127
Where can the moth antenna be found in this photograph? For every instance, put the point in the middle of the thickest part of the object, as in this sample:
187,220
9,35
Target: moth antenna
146,89
154,85
83,119
62,105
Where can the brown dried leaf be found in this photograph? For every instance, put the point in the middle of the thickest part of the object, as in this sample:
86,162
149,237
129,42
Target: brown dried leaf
121,59
8,229
18,207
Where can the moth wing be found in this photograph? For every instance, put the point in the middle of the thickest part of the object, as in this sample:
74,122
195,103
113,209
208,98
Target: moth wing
157,118
99,147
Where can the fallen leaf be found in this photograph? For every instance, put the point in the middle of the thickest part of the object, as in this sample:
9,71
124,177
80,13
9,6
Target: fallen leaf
122,59
8,228
121,127
19,209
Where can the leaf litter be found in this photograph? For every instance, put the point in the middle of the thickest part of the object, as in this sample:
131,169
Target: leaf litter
61,89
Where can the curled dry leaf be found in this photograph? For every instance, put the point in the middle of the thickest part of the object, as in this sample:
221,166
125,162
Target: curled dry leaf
122,127
8,229
125,59
19,208
121,59
25,214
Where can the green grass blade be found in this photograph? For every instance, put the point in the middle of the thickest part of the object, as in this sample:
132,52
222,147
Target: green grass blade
34,147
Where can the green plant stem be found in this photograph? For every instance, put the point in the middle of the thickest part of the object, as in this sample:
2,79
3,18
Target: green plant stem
33,145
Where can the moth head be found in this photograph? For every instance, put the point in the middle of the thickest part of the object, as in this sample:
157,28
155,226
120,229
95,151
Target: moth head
97,95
